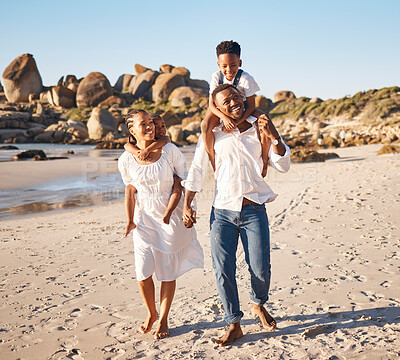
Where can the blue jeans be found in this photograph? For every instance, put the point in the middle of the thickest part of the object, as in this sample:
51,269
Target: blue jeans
252,225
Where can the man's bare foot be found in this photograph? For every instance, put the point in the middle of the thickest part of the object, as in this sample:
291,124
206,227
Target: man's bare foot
162,330
268,322
234,332
148,324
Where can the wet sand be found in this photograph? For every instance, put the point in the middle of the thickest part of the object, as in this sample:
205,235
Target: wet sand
68,285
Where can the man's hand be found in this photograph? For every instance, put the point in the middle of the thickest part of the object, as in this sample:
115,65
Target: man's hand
188,216
267,127
129,227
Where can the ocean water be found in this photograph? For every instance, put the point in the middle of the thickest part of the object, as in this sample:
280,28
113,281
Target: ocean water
69,192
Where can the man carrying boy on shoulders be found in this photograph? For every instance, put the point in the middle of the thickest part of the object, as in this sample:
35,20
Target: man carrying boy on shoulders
239,207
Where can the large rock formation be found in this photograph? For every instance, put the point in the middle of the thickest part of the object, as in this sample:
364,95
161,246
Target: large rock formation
61,96
185,95
100,123
140,86
165,84
140,69
123,82
21,78
283,95
92,90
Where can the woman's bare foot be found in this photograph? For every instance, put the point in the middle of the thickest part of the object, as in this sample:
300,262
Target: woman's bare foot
234,332
148,324
268,322
162,330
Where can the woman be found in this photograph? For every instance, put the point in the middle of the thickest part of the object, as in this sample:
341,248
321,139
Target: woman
168,250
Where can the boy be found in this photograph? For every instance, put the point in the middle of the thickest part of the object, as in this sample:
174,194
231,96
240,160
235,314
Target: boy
229,62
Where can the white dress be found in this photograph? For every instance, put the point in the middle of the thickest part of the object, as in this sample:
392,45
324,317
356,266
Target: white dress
168,250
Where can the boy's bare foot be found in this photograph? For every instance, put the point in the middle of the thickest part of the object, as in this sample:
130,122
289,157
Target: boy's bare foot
148,324
268,322
234,332
162,330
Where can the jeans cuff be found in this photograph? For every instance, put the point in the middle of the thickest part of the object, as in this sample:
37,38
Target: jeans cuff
258,301
232,319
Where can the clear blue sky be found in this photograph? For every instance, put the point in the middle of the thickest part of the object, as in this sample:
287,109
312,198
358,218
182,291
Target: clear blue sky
325,48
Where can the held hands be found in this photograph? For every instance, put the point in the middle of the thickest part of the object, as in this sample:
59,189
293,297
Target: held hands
188,217
129,227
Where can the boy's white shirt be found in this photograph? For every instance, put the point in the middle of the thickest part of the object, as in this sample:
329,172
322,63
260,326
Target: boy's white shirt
246,86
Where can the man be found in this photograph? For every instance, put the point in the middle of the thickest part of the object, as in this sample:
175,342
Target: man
238,208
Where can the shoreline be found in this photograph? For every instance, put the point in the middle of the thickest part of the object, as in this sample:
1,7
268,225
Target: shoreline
68,284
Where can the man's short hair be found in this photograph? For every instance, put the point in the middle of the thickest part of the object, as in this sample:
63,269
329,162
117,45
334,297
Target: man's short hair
228,47
220,88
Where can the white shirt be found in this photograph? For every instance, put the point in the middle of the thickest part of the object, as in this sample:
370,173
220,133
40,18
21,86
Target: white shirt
246,86
238,169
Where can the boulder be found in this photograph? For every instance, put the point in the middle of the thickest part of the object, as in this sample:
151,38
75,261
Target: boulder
165,84
100,123
181,71
193,127
283,96
21,78
8,147
185,95
92,90
32,97
263,103
202,84
175,133
166,68
112,100
304,155
61,96
170,118
123,82
140,86
29,154
389,149
10,135
140,69
192,139
316,100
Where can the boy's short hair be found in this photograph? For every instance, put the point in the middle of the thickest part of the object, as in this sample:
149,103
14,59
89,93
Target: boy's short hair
220,88
228,47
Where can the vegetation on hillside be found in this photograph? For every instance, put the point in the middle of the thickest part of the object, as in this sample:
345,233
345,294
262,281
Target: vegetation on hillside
369,105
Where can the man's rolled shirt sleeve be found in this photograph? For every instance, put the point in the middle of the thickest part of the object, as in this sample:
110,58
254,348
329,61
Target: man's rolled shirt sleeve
198,169
278,162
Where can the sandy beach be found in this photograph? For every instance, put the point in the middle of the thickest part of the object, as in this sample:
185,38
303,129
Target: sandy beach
68,287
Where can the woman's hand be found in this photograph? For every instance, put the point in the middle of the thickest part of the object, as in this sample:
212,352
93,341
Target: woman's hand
188,216
166,217
129,227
